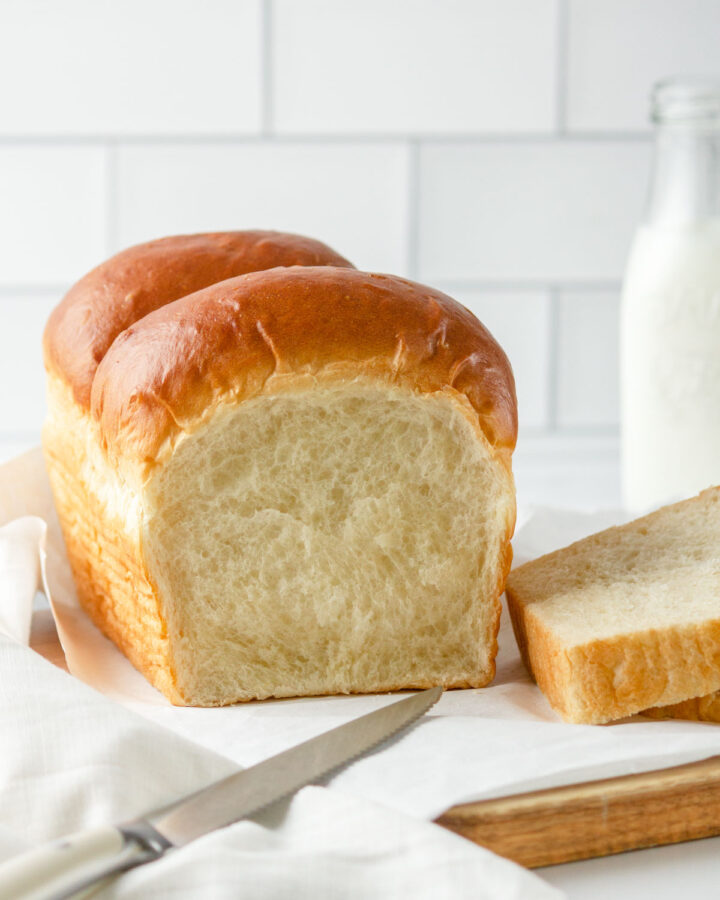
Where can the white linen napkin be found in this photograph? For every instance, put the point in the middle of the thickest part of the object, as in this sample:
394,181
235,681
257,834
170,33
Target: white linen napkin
71,757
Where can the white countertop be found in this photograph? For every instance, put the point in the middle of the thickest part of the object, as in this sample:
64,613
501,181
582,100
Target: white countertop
689,870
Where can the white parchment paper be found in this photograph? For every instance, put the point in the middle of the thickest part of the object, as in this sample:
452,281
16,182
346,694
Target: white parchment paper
475,743
74,755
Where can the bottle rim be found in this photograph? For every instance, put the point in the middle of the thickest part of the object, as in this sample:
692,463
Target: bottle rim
685,99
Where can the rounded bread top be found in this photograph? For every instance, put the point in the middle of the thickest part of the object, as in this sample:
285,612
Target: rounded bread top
272,330
141,279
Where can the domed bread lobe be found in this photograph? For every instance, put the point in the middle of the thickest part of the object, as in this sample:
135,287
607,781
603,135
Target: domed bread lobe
98,516
257,333
133,283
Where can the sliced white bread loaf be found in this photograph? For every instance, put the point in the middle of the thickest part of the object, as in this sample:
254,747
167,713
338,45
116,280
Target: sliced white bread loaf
285,482
628,618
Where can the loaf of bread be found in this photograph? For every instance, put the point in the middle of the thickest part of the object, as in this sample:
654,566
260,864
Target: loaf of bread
628,618
288,481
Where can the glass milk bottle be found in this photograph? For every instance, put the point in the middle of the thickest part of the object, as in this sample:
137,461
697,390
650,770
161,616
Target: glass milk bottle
670,318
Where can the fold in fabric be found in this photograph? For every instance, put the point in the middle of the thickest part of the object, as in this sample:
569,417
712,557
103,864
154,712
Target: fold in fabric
70,758
22,556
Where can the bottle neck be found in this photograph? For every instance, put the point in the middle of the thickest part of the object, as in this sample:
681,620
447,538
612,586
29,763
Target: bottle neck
685,180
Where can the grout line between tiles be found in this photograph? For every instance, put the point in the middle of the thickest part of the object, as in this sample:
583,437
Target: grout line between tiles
588,431
413,210
591,439
266,76
19,436
31,290
578,137
591,433
561,66
111,198
449,284
534,285
553,379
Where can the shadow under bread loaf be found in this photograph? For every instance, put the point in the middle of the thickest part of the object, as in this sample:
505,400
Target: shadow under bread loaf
295,481
628,618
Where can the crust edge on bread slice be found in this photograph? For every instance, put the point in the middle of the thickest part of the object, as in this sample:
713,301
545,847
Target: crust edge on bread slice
664,672
609,679
697,709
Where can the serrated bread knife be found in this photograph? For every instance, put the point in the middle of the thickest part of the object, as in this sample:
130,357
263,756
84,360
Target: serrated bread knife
65,867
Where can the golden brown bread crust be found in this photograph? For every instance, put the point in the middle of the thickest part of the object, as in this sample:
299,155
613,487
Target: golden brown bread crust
615,675
583,683
250,335
699,709
141,279
106,563
504,568
111,585
103,551
169,369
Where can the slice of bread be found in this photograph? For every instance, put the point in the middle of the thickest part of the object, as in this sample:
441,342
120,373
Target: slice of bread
628,618
699,709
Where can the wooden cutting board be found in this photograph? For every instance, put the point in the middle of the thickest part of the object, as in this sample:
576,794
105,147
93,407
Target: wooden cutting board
596,818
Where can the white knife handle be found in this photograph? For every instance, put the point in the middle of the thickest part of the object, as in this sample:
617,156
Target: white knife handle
64,867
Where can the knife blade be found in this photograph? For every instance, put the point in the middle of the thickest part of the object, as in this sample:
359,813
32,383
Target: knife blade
248,791
62,868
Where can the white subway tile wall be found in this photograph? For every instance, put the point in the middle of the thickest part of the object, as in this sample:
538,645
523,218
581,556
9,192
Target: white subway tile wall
23,380
53,208
414,66
520,322
498,149
587,359
617,49
532,211
136,67
353,196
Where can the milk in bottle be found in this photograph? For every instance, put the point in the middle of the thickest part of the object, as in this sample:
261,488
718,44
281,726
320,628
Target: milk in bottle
670,315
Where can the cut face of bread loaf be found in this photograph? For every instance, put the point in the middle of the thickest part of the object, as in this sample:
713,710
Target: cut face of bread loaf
293,482
333,539
628,618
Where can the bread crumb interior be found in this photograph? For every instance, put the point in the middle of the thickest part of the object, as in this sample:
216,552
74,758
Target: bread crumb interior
326,540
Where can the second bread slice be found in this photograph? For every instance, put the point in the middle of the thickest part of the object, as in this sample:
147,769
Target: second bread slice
628,618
